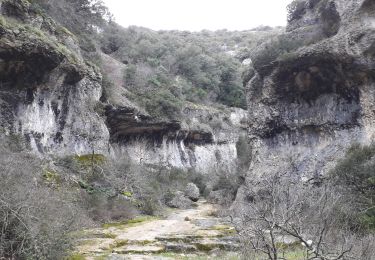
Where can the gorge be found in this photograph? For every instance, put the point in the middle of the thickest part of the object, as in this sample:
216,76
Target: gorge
248,136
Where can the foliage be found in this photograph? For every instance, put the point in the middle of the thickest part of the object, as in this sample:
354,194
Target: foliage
192,66
78,16
34,218
357,172
89,159
198,67
162,102
282,211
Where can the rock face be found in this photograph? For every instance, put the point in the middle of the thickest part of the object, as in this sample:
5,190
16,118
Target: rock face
204,138
175,144
307,107
53,97
48,93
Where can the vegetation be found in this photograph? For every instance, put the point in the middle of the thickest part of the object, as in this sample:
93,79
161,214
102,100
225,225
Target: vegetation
42,202
357,173
333,217
281,211
164,68
202,67
79,16
35,218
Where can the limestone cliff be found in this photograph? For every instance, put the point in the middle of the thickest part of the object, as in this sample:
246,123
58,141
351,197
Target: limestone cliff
307,106
203,138
53,97
48,92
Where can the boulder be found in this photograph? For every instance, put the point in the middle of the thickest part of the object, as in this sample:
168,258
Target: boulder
192,192
180,201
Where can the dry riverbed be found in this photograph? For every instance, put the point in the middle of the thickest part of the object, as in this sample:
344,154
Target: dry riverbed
185,234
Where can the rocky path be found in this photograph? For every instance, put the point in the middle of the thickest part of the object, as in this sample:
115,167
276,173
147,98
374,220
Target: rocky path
185,234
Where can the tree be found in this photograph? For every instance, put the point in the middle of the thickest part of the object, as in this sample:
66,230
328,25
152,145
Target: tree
356,171
79,16
282,213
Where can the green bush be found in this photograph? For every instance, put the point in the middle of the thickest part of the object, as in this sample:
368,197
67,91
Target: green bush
357,172
161,103
357,169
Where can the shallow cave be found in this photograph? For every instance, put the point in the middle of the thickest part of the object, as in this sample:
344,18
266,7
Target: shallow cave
306,78
27,70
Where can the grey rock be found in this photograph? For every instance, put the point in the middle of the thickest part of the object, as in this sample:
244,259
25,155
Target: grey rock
306,108
180,201
192,192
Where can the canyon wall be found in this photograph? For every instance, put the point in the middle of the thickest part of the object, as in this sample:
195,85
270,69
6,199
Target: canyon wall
307,106
54,98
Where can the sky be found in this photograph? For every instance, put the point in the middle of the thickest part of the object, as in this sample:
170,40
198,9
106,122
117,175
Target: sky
196,15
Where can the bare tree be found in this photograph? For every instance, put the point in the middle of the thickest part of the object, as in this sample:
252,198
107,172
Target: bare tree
281,212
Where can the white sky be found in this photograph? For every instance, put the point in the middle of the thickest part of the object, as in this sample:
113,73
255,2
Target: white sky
196,15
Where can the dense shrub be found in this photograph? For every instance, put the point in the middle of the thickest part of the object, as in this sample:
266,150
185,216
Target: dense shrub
192,66
79,16
35,218
160,103
318,218
357,172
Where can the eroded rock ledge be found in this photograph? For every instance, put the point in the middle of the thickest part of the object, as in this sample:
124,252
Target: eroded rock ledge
126,124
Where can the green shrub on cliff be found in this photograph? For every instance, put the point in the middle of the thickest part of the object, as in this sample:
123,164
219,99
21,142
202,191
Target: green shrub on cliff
357,169
160,103
357,172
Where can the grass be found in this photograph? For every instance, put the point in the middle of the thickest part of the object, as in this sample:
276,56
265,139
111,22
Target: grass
295,255
130,223
82,234
76,256
64,30
101,257
110,235
88,242
51,176
87,159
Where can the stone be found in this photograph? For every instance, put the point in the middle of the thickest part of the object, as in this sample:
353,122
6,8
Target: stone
180,201
192,192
